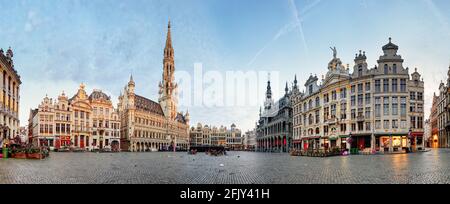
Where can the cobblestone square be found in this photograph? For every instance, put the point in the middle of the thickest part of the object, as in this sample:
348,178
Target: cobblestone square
237,168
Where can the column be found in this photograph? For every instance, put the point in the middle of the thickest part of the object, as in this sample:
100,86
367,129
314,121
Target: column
391,149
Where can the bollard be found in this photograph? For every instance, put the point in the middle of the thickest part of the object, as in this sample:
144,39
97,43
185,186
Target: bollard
5,152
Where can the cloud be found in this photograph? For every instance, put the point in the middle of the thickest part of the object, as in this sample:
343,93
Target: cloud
33,21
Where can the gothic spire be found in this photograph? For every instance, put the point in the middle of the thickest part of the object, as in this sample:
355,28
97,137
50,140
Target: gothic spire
169,37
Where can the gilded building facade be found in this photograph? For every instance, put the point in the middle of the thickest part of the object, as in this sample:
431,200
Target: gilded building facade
147,125
369,109
84,122
9,96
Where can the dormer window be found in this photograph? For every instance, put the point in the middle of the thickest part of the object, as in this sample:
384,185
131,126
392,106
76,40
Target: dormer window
360,70
310,89
386,69
394,68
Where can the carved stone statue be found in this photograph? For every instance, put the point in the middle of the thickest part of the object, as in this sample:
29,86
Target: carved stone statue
334,51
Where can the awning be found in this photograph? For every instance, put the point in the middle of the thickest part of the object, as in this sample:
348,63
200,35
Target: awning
309,138
333,138
343,136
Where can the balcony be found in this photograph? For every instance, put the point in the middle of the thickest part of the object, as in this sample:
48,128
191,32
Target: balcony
332,120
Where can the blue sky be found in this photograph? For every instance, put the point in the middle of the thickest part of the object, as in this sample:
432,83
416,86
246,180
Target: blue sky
59,44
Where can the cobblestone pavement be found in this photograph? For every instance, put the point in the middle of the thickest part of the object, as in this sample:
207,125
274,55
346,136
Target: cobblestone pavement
238,167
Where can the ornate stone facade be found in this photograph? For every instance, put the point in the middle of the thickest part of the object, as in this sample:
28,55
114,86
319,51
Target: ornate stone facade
85,122
150,126
380,109
9,96
216,136
274,127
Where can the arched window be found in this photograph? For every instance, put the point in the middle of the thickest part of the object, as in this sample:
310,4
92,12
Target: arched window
317,102
310,119
317,131
305,108
310,104
360,70
386,69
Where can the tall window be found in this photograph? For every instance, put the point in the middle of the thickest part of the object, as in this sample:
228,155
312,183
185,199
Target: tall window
394,105
368,111
413,122
317,102
377,106
403,106
333,111
360,99
367,86
377,124
402,85
386,69
310,103
385,106
386,124
353,89
394,85
394,68
377,86
343,93
385,85
333,95
317,117
367,98
353,100
360,88
310,89
419,122
360,70
412,107
343,110
412,95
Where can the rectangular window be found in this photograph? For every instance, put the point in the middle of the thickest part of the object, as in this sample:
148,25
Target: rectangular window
353,89
412,107
333,111
413,122
412,95
394,124
360,126
385,85
367,98
367,86
394,105
377,86
353,127
344,93
368,111
419,96
385,106
360,88
377,124
368,127
353,114
386,124
377,106
353,100
394,85
360,100
333,95
402,85
420,108
403,106
403,124
419,122
343,110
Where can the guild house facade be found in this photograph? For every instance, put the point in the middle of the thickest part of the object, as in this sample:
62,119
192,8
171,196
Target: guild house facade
368,109
9,97
147,125
84,122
